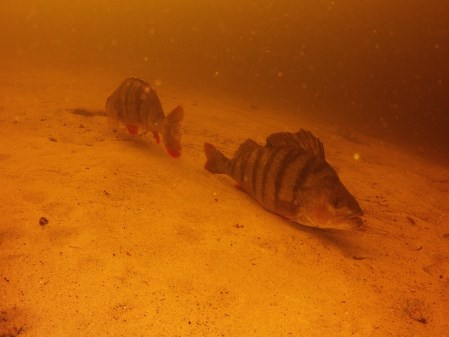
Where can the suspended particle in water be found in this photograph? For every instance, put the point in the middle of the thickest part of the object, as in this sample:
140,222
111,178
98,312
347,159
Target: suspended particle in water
356,156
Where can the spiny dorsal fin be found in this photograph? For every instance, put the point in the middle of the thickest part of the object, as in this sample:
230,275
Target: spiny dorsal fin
246,146
303,140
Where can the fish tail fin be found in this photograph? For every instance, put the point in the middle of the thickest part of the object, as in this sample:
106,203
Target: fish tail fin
216,161
171,134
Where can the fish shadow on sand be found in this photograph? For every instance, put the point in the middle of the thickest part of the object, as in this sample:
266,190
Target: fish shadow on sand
87,112
142,142
344,240
347,241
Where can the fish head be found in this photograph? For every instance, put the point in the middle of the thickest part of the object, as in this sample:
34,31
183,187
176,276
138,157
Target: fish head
329,206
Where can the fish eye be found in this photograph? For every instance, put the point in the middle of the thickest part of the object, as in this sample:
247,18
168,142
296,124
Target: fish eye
337,202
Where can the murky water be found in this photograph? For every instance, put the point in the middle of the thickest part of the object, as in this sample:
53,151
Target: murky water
380,64
102,233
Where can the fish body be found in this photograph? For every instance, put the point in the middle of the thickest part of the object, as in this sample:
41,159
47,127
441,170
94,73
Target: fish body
136,104
290,176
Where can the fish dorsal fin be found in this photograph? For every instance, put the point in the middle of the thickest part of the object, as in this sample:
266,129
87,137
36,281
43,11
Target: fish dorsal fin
246,146
303,140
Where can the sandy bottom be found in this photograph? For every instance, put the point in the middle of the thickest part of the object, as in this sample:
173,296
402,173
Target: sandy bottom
140,244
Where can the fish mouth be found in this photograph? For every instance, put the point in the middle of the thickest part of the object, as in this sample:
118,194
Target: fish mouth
351,221
355,221
354,215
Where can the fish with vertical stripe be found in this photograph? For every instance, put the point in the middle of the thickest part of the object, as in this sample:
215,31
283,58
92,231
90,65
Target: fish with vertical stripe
136,104
290,176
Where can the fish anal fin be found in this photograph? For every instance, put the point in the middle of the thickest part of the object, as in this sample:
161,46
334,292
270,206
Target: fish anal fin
246,146
132,129
303,140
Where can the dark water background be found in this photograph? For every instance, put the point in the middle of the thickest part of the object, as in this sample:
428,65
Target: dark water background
378,66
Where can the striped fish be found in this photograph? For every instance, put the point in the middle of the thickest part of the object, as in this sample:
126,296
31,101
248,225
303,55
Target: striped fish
290,176
135,104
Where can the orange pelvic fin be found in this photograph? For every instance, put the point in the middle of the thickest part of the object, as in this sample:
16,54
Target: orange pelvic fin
238,186
156,137
285,217
132,129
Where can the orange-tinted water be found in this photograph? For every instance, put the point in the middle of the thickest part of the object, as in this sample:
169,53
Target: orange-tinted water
138,243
